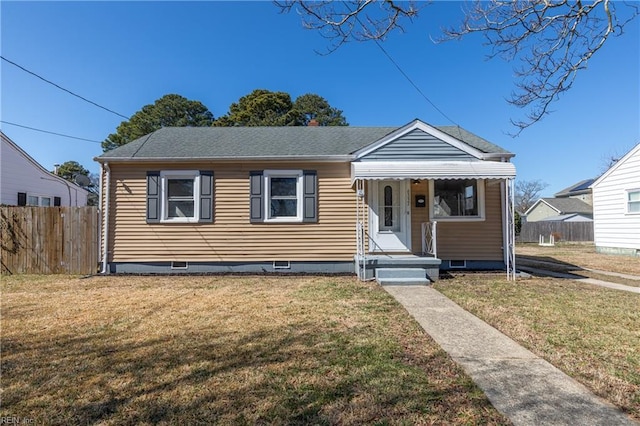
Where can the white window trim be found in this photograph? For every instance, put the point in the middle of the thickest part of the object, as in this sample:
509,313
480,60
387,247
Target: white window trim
268,174
165,175
626,201
40,198
481,210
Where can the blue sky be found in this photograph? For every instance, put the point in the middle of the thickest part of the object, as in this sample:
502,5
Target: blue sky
124,55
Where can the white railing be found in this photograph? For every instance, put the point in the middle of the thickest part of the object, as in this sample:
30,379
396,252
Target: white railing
429,244
361,260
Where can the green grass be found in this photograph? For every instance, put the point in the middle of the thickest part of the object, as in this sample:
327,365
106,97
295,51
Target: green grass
225,350
589,332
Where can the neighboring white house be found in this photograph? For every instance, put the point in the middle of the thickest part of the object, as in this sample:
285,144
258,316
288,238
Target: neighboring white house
24,182
616,207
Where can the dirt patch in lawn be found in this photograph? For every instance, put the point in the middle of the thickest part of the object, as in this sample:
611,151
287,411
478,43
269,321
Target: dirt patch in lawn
226,350
589,332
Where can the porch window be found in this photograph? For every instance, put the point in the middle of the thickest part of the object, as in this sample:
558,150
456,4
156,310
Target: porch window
633,201
457,199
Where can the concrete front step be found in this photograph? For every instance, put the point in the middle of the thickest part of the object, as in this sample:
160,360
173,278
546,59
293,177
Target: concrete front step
401,273
403,281
402,276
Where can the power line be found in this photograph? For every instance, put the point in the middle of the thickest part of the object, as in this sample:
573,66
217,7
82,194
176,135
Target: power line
412,83
47,131
415,86
63,89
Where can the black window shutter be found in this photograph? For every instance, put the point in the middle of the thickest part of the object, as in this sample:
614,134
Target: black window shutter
206,196
153,197
310,196
22,198
256,196
56,201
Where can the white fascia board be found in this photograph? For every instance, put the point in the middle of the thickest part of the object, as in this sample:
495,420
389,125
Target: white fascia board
417,124
615,166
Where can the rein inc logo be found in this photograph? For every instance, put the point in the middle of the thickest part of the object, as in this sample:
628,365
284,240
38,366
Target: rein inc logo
15,420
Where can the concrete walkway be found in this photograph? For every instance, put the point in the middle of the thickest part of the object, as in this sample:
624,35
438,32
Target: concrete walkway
522,386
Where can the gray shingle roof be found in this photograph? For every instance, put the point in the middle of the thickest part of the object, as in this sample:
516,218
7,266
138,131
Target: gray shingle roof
265,142
569,205
472,139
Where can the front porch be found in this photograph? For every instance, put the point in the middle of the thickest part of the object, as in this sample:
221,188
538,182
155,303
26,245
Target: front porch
396,238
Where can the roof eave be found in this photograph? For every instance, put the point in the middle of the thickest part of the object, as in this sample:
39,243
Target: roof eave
316,158
491,155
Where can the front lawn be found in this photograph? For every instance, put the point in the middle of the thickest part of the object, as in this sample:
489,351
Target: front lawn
226,350
589,332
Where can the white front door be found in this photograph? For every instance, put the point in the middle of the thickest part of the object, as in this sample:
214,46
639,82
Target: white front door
389,219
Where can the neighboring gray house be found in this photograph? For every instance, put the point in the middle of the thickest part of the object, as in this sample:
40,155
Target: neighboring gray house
560,209
616,207
580,191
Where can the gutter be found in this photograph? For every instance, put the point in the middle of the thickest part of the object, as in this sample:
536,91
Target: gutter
104,201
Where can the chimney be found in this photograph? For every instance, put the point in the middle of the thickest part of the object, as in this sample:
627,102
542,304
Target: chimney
313,122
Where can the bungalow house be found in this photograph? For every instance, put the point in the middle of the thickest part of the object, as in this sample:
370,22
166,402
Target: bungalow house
308,199
24,182
616,207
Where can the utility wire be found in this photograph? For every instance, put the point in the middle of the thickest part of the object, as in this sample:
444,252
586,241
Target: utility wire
411,81
62,88
46,131
415,86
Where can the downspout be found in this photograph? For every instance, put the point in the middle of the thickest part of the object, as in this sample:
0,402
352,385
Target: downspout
505,221
104,202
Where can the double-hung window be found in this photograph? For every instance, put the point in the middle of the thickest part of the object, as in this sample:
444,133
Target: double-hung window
633,201
284,195
457,199
179,196
35,200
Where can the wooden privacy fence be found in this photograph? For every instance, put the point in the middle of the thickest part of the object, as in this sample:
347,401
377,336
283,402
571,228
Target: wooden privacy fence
562,231
49,240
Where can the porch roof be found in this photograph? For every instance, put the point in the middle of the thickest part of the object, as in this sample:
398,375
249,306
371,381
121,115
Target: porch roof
377,170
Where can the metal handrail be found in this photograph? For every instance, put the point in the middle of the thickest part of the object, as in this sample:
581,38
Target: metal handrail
429,240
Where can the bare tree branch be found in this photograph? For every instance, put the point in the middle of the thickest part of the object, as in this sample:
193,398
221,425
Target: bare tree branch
550,40
345,21
527,193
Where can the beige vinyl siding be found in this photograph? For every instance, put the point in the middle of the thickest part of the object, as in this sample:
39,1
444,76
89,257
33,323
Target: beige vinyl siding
418,214
474,240
231,237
